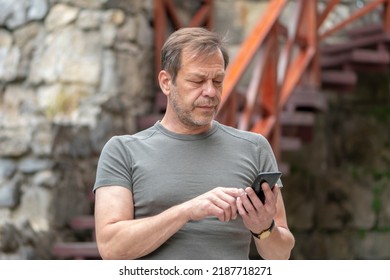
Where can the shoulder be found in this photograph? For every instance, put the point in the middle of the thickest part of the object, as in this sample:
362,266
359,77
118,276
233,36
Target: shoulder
248,136
124,140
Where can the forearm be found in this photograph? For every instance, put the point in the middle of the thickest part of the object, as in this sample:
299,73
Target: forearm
120,236
277,246
132,239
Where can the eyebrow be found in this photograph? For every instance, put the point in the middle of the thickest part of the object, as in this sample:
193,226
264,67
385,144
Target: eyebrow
203,76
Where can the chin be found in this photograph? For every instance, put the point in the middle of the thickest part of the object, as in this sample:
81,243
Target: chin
203,122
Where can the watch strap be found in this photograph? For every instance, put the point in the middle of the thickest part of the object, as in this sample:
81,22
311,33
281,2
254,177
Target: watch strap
265,233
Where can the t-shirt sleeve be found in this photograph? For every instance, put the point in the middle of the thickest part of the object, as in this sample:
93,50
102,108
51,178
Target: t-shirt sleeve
268,161
114,165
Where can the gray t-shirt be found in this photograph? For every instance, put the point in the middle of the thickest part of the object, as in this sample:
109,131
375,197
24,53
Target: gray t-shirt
163,169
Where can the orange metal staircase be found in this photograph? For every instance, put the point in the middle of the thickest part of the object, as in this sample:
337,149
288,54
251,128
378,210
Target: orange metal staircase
295,64
290,67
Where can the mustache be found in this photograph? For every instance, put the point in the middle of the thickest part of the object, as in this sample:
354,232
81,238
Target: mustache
207,103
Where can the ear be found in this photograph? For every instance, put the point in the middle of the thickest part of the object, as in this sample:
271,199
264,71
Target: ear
164,79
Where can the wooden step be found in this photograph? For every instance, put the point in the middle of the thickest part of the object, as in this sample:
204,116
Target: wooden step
76,250
307,99
366,30
338,79
290,143
366,42
357,58
297,125
82,249
83,222
297,118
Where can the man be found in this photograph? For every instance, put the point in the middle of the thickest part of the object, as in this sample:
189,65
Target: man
180,189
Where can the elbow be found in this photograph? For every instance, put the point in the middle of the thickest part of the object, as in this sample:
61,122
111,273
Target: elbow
108,252
105,252
290,247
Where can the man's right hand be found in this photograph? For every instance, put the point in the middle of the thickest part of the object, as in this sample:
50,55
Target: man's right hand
219,202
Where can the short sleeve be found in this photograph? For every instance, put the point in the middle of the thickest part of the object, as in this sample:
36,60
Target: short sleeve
114,165
267,159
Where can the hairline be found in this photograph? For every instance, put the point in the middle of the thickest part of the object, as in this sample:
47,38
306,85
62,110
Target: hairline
192,40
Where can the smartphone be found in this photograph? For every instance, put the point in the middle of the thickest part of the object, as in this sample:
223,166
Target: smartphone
270,177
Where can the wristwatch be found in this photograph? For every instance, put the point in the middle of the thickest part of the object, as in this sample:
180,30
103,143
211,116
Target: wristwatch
265,233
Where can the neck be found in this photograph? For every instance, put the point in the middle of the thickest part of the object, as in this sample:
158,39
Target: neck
181,128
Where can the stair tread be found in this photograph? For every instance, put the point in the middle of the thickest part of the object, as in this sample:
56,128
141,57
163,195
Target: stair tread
297,118
367,29
349,45
342,77
83,222
75,249
370,56
356,56
290,143
307,98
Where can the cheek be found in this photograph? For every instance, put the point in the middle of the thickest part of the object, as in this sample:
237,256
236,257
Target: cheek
183,96
191,94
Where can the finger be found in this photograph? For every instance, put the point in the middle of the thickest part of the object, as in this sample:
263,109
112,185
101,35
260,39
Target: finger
276,191
228,195
246,218
268,193
249,200
217,212
240,207
227,204
253,199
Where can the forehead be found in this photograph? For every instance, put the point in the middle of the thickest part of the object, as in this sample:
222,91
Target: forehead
194,62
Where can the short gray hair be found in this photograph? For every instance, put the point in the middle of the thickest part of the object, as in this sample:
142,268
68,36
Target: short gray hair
196,39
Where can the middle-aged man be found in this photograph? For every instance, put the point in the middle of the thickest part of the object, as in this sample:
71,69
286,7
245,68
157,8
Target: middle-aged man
181,189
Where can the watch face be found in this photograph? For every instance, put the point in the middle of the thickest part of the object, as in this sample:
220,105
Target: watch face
265,234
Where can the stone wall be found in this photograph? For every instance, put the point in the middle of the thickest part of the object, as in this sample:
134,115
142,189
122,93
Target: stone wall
75,72
72,74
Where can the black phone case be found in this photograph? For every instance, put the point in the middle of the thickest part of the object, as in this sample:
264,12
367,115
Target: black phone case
270,177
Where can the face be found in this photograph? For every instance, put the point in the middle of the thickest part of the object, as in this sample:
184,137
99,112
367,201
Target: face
195,96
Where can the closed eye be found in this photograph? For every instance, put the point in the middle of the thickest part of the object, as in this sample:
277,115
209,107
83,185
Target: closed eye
198,82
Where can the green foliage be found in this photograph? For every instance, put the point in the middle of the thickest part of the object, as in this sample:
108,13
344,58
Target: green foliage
381,113
361,233
376,203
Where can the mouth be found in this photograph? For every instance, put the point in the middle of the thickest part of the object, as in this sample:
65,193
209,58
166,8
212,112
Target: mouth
206,105
206,108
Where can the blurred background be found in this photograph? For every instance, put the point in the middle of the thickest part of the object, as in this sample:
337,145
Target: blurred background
312,76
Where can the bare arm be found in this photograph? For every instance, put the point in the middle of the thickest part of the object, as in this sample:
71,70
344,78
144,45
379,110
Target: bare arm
258,217
120,236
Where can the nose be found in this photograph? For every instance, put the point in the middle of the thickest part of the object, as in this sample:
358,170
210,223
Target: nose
209,89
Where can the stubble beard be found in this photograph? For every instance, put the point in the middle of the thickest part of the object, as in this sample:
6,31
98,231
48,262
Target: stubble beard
187,115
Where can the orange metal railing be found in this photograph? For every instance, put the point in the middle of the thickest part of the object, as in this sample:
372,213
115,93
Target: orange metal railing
276,70
281,64
278,58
